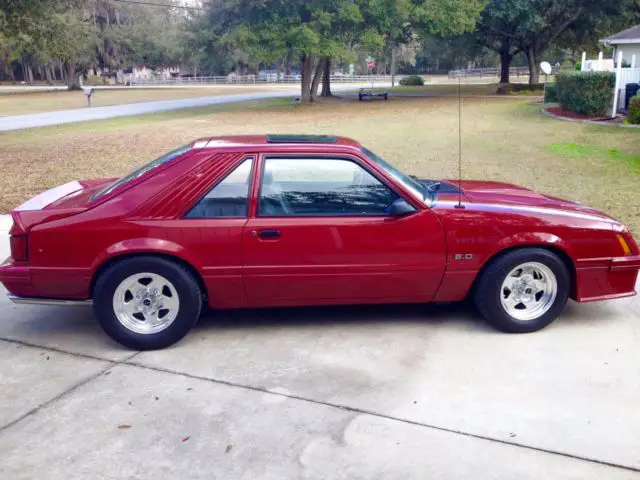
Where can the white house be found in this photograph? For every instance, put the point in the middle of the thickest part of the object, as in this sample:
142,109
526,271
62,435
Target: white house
627,42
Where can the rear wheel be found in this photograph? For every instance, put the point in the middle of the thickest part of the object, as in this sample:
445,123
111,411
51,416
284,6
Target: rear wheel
523,290
146,303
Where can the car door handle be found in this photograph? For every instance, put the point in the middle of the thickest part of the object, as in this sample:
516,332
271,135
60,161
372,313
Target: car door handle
269,233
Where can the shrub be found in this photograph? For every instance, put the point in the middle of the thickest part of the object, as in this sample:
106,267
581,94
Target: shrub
412,80
578,66
526,88
585,93
96,80
551,94
633,116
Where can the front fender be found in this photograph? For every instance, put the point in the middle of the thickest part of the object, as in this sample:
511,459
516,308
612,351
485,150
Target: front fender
531,239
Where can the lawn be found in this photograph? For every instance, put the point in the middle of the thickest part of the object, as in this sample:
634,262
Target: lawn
18,103
503,139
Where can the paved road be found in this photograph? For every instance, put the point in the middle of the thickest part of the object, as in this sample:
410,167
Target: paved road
327,393
18,122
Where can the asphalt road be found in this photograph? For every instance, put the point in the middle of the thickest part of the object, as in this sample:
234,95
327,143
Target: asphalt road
18,122
330,393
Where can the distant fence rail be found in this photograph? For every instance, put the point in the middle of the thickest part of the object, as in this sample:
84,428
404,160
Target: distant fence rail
255,79
487,72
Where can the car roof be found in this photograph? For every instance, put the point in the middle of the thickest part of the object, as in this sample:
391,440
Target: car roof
269,140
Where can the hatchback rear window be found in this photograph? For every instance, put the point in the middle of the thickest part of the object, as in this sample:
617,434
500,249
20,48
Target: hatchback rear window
167,157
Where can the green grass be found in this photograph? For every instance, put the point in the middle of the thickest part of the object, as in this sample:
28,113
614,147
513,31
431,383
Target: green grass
581,150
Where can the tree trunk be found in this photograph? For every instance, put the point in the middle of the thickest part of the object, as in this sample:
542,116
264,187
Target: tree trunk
29,74
437,65
316,78
73,78
287,63
47,74
393,65
306,67
532,61
326,78
505,64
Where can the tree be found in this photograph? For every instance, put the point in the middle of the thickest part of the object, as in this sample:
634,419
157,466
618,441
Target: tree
533,26
402,23
310,31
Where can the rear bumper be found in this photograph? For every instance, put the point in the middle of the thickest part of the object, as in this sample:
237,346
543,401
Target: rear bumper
606,278
23,281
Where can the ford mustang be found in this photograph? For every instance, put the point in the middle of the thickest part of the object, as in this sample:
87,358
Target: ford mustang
289,220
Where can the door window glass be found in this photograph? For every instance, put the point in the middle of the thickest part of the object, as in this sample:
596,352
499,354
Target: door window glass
321,187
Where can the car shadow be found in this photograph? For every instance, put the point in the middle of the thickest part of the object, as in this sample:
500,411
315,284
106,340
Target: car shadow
462,315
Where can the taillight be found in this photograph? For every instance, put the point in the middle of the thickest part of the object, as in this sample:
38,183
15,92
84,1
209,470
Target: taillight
19,248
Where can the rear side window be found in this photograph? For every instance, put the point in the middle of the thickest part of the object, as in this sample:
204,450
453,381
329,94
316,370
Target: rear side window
167,157
229,198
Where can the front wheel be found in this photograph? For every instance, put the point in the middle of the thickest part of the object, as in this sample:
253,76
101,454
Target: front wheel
523,290
147,303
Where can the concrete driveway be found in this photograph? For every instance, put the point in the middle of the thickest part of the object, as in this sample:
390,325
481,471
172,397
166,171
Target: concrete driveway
331,393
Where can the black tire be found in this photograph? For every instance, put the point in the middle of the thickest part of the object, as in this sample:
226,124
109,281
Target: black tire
186,287
487,294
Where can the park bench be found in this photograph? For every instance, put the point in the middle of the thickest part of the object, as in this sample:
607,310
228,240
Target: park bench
370,94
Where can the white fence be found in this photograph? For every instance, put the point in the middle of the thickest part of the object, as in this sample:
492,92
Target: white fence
488,72
257,80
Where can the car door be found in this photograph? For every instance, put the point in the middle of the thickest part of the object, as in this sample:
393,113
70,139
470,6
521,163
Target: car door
320,232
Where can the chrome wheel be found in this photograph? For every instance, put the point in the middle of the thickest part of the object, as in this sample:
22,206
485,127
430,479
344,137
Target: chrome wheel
146,303
528,291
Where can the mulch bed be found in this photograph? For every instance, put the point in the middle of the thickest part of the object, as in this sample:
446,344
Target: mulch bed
561,113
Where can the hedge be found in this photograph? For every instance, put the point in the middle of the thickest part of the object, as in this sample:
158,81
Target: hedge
586,93
412,80
551,93
633,116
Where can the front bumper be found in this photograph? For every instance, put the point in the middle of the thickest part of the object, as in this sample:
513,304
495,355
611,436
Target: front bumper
606,278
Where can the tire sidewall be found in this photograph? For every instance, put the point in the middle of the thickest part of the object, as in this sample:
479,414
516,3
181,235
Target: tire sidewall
185,285
488,295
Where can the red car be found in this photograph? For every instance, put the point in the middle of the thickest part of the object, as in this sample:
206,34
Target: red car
276,220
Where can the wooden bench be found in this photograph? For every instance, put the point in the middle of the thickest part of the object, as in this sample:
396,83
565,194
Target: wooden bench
371,94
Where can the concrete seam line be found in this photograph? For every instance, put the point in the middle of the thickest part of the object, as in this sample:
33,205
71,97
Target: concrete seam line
59,350
384,416
73,388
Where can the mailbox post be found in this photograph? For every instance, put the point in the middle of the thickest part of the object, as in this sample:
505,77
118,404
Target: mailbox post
88,91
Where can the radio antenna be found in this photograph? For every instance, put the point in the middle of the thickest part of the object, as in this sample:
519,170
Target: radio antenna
459,205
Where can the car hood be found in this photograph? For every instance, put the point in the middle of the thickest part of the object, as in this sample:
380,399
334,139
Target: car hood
488,193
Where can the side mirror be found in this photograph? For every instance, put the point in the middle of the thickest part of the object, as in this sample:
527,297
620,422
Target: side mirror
400,207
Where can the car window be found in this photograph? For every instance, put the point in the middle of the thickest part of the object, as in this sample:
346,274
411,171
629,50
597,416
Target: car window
229,198
167,157
321,187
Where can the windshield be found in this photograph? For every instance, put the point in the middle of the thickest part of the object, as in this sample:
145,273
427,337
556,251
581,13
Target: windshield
167,157
416,188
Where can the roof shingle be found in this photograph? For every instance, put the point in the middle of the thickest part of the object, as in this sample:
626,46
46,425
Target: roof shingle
630,34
